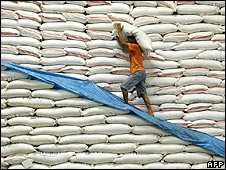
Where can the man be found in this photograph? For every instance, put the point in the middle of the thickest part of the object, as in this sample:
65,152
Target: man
137,73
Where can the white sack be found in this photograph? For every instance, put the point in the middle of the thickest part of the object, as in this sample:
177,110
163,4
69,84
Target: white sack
150,11
131,120
63,26
139,139
20,41
34,140
159,148
50,158
32,121
65,60
77,102
198,80
8,49
94,158
10,93
192,158
19,148
210,115
28,84
133,158
140,21
182,19
73,16
28,15
84,138
28,23
104,9
10,131
30,32
9,32
142,39
204,63
8,14
82,121
21,59
56,148
198,98
27,6
110,129
58,8
56,131
53,35
12,75
69,165
108,111
17,111
31,102
59,112
197,9
113,148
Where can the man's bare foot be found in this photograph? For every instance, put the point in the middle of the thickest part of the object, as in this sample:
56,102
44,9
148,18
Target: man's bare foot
151,113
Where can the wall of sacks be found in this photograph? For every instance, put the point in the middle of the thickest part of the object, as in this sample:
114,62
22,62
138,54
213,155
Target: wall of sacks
43,127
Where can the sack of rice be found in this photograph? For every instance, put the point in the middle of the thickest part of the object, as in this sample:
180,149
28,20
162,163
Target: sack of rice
93,158
8,14
18,148
113,148
142,39
84,139
50,158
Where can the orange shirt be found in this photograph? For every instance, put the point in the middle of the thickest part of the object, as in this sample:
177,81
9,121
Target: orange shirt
136,59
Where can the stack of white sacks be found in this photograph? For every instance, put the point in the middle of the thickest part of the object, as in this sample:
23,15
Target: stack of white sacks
43,127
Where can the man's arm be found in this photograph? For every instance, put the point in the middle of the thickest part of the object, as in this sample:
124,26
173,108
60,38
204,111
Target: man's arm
120,36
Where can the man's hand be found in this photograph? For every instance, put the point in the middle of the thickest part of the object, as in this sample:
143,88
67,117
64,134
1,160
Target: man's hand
120,36
119,27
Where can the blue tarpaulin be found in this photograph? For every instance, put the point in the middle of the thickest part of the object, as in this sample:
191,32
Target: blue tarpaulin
89,90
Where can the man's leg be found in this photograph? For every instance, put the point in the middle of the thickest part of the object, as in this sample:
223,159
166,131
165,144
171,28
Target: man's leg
125,95
147,103
129,83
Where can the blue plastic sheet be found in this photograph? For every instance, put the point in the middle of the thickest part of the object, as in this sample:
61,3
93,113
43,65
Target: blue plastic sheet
89,90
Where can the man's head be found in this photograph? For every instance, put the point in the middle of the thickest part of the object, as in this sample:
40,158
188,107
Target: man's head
131,39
